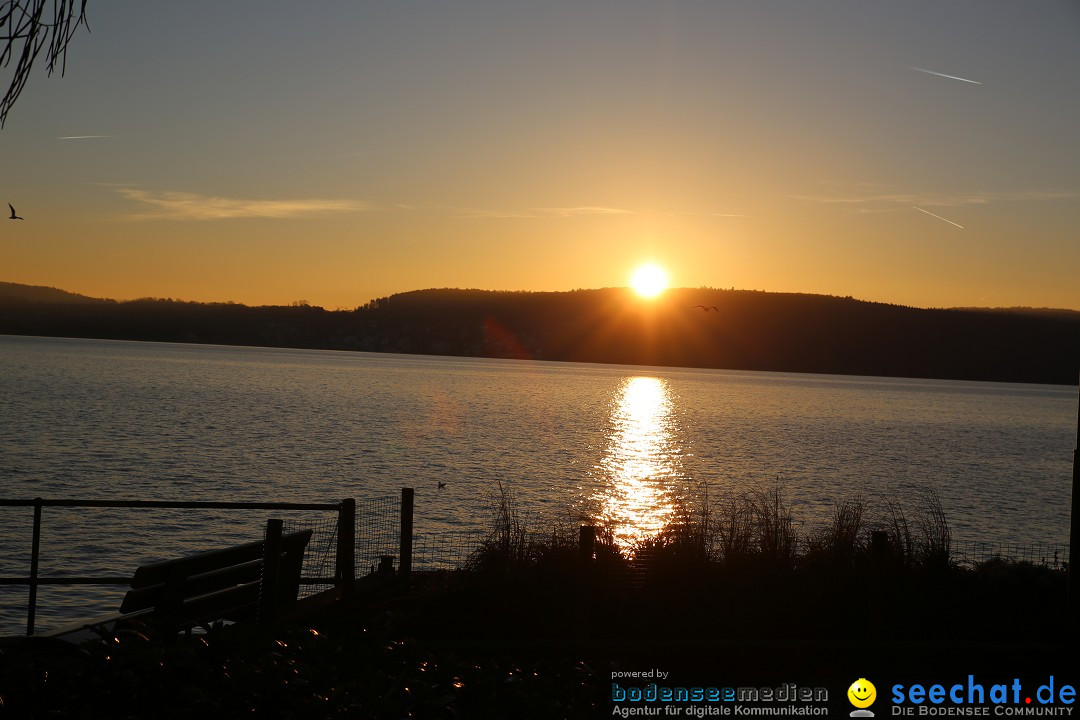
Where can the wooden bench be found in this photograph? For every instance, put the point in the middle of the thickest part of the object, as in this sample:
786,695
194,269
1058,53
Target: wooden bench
227,584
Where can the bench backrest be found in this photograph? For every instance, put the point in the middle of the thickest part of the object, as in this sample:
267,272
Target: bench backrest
216,583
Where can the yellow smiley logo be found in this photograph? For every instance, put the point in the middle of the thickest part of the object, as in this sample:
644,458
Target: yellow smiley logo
862,693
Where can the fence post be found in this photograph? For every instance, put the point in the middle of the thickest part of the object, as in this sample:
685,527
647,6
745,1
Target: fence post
586,542
269,590
31,610
405,563
1072,588
346,549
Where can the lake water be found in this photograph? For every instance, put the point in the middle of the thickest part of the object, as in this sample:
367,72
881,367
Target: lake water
130,420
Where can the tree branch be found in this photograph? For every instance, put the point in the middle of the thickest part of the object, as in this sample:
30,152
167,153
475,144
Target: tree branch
27,34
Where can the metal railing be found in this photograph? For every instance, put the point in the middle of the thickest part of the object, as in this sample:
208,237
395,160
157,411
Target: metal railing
344,561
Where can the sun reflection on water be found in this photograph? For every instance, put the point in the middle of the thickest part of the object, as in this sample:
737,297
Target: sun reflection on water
641,459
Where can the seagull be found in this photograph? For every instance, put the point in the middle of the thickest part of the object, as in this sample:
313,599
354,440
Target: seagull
441,484
13,215
706,309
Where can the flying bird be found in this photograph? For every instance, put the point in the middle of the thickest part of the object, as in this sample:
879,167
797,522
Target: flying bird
706,309
13,215
441,484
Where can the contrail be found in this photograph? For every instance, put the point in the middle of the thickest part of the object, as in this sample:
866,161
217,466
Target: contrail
938,217
83,137
951,77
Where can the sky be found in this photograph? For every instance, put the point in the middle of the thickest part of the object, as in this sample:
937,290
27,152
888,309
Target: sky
923,152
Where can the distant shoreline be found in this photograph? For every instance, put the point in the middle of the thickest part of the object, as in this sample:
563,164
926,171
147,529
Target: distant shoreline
524,360
755,331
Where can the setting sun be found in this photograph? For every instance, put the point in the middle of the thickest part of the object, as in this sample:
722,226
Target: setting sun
649,280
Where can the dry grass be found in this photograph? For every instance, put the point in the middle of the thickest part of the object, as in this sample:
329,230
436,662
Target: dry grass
752,532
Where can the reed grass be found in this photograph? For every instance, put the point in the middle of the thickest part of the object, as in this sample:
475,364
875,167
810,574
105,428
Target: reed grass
752,531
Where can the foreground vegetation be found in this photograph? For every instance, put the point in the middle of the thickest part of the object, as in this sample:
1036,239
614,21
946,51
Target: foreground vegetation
732,592
728,569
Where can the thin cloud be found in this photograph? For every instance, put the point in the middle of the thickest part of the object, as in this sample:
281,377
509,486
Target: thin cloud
84,137
951,77
703,214
1035,195
190,206
870,199
586,211
938,217
493,214
582,211
894,200
557,212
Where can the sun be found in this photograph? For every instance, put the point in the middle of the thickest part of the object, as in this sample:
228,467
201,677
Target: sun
649,280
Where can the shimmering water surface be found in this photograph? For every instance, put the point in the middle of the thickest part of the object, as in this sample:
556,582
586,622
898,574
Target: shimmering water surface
109,419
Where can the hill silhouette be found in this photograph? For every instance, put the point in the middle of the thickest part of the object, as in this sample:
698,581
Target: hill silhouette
749,330
40,293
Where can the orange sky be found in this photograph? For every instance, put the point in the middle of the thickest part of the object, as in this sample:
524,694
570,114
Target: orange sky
356,151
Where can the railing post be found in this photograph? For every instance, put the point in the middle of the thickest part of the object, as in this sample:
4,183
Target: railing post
35,548
346,549
1072,586
405,563
268,588
586,542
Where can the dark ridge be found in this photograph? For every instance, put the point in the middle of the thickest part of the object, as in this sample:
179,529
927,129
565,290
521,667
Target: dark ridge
1037,312
750,330
15,292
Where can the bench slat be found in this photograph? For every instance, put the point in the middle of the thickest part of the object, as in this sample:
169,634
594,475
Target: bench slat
191,587
235,603
205,586
198,563
150,595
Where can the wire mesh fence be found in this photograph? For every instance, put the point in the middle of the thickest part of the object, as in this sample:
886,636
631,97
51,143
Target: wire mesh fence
447,550
321,552
378,532
972,553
